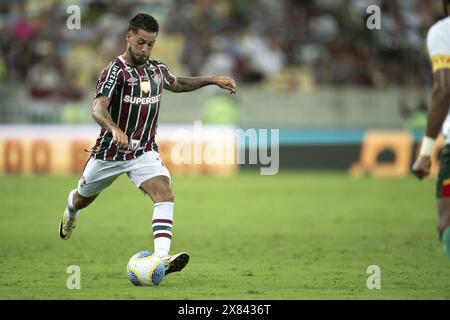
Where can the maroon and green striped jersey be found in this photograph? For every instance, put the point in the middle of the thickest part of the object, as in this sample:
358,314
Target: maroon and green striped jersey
135,98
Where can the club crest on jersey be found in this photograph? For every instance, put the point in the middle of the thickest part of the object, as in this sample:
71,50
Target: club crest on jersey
132,81
145,86
157,78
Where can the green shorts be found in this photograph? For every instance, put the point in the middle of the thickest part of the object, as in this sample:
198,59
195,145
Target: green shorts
443,182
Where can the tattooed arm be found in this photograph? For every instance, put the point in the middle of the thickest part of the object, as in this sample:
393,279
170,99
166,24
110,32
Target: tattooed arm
186,84
102,116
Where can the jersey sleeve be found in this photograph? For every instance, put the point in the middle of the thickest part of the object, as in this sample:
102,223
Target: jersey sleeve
168,77
108,81
438,45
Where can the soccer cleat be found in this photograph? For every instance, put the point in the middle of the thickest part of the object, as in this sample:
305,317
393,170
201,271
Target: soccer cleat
66,226
176,262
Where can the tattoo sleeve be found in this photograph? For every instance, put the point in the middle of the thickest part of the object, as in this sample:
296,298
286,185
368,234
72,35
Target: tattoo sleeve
186,84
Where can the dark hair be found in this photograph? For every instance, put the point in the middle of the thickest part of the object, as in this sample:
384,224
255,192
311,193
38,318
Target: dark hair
446,3
143,21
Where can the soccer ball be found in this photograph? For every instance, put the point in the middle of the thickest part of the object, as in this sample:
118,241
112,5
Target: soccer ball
145,269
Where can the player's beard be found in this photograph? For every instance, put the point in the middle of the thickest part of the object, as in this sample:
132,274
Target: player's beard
136,60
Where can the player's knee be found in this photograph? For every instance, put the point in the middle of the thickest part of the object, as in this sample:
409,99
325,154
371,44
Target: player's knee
166,196
163,195
170,197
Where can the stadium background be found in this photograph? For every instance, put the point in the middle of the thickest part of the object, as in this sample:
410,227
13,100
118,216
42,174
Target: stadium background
349,102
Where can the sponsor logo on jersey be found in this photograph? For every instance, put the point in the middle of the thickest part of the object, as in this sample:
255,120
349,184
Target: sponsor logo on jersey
134,144
82,181
142,100
132,81
112,77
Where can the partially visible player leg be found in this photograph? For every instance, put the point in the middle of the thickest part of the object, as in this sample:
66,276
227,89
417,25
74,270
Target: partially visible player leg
160,191
443,226
75,203
149,174
97,176
443,198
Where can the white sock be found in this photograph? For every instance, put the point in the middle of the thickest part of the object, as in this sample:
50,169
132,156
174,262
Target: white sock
162,227
70,209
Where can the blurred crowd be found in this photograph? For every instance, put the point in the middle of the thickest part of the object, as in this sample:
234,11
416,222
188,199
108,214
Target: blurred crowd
290,44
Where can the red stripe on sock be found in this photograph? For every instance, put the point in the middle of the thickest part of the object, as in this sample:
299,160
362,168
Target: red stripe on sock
165,235
446,190
162,221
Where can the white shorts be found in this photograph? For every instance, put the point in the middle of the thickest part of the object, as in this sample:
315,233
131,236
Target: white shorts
99,174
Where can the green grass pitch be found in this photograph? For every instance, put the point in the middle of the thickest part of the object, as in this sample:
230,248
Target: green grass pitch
295,235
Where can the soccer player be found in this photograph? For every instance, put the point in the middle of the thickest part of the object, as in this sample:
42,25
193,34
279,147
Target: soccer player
438,44
126,106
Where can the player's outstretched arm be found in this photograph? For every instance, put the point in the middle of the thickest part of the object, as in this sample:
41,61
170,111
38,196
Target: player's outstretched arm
439,106
102,116
186,84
